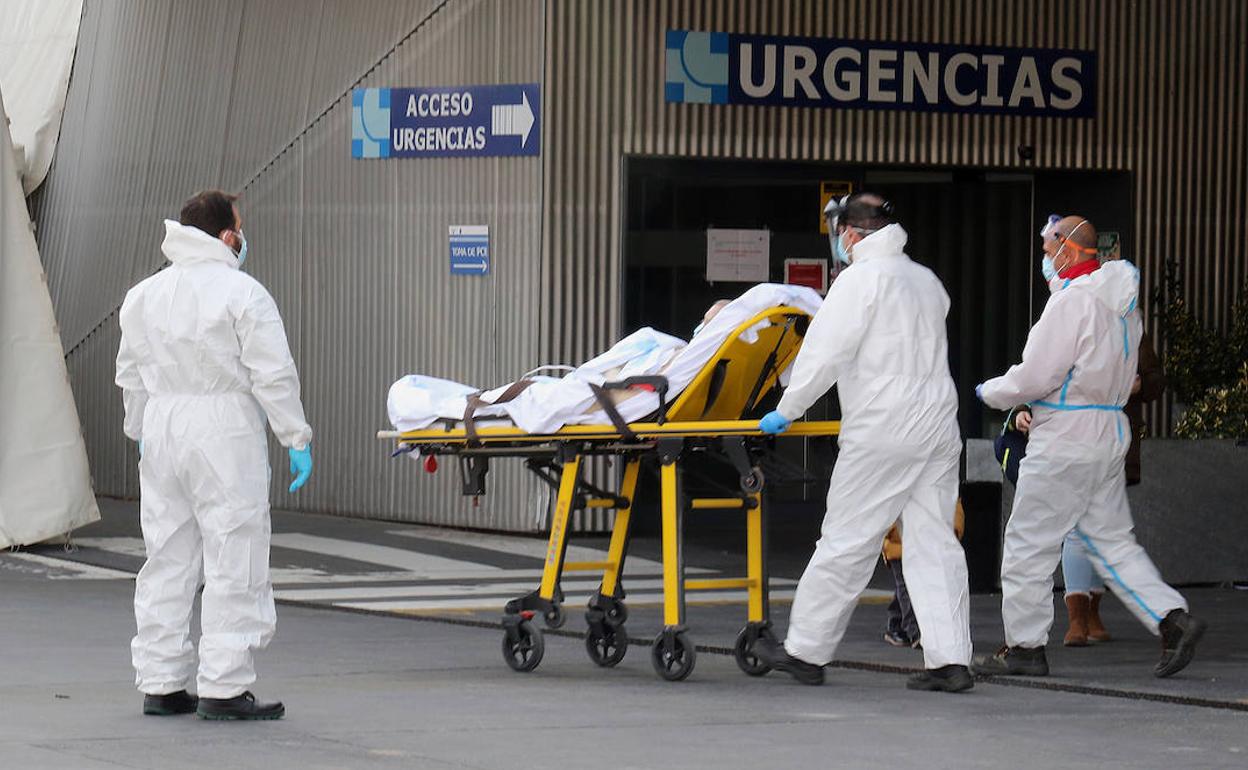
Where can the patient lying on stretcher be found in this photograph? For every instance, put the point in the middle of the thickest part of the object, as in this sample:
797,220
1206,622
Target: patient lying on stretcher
542,403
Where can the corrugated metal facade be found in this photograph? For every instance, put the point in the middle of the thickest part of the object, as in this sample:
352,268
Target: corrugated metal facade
1171,89
170,97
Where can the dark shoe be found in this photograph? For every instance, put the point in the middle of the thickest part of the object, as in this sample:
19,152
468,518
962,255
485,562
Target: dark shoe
896,638
180,702
1096,629
773,654
1179,634
241,707
1013,661
1077,608
951,678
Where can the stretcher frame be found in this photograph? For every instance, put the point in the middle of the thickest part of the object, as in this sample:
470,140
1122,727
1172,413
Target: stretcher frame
731,385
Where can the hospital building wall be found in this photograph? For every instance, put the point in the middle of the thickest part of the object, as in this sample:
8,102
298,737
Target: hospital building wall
170,97
253,95
1171,111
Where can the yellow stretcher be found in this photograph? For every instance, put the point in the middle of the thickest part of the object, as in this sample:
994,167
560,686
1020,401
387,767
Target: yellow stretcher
707,417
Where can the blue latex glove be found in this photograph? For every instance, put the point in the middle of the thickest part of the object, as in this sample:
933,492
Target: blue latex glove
140,449
300,466
979,391
773,423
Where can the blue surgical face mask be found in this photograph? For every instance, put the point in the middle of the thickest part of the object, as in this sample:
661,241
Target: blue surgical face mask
838,249
242,249
1047,268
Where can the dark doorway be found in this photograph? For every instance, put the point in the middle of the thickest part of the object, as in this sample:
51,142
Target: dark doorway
978,230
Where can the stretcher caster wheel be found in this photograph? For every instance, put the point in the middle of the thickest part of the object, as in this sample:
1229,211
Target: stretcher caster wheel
752,483
672,655
523,651
554,616
617,613
745,654
608,648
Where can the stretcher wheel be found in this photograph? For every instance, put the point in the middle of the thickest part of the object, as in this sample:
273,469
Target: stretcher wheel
745,654
674,664
524,652
607,649
752,483
554,616
617,613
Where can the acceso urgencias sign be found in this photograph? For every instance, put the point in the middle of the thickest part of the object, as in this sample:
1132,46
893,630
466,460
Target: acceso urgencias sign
446,121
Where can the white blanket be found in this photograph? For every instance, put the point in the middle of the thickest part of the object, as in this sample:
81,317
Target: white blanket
417,401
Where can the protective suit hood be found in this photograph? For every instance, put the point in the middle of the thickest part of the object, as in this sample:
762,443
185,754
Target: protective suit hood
888,241
1116,285
184,245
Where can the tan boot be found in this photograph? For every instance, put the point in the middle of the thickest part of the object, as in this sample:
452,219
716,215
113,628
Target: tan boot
1096,629
1077,608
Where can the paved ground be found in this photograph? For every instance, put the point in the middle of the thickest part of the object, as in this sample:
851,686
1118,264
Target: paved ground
392,690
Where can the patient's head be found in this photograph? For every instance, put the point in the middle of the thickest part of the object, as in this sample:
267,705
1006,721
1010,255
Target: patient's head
711,312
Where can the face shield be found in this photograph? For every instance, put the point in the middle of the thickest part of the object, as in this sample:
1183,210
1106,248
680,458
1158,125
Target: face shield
832,213
1049,231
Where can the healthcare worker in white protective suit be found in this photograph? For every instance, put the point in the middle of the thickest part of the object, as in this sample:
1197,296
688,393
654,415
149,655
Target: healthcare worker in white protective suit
880,336
203,362
1077,370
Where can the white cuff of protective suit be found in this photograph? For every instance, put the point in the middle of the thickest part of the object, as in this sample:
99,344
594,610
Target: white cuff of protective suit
789,412
992,395
300,441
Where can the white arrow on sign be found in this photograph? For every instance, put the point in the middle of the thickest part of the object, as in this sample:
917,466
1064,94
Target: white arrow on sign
513,119
482,266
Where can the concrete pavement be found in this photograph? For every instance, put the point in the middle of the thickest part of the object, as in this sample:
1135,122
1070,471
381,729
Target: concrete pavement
392,690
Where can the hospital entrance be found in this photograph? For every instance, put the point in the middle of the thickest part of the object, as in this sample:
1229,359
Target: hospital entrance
978,230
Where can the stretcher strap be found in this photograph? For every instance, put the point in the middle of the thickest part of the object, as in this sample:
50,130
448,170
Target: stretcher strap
613,414
475,401
766,372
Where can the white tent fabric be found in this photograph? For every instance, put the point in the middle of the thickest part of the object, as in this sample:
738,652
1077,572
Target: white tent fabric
37,42
45,483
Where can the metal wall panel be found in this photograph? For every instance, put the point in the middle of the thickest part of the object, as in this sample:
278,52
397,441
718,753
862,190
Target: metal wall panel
253,95
170,97
1171,91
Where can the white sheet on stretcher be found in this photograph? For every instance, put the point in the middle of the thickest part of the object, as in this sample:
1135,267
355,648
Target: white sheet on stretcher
417,401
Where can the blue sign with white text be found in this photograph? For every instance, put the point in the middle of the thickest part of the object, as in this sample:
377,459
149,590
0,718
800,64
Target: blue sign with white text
445,122
470,249
726,68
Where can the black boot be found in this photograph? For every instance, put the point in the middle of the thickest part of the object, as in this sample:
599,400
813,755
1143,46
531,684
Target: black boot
1179,634
180,702
1013,661
952,678
240,707
773,654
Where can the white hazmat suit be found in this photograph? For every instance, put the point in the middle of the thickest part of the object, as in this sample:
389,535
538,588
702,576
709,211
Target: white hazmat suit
203,360
880,336
1077,371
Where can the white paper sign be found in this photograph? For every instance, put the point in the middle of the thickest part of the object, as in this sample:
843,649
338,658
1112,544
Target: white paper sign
738,255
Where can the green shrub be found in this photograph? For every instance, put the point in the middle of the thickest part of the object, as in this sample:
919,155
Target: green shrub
1206,368
1220,413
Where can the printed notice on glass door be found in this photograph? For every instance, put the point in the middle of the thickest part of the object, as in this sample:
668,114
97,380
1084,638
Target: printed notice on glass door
738,255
